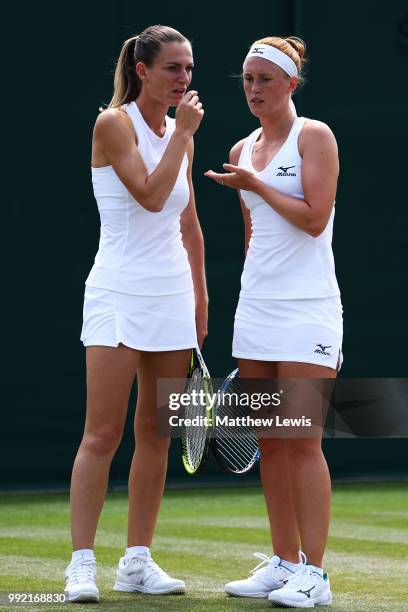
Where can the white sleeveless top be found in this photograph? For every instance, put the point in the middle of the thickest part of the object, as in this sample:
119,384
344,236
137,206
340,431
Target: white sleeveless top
284,262
141,252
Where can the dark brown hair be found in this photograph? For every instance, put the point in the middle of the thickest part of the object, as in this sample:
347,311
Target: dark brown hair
142,48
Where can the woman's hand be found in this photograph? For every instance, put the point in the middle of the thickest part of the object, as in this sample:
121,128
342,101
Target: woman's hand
237,178
201,317
189,114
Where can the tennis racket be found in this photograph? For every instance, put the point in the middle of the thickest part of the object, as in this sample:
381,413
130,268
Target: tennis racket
235,447
196,439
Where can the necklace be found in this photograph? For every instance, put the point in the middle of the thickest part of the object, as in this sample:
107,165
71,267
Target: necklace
258,148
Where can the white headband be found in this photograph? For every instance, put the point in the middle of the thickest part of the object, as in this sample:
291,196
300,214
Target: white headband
274,55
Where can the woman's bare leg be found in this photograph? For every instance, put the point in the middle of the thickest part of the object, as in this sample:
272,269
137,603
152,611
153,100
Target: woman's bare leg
310,476
149,464
110,374
275,477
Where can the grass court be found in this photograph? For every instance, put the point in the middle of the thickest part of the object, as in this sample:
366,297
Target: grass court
206,537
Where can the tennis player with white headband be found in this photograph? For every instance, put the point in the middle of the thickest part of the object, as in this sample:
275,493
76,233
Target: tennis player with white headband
288,322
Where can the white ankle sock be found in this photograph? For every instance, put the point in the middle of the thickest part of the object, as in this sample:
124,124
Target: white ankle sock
134,550
293,567
316,569
84,553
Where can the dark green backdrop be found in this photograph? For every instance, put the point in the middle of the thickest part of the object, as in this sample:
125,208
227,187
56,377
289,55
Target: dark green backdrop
57,69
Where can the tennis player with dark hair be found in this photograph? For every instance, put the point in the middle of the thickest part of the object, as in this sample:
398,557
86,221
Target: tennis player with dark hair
288,322
145,298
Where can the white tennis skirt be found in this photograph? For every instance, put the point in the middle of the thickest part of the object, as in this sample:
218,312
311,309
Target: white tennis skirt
145,323
308,330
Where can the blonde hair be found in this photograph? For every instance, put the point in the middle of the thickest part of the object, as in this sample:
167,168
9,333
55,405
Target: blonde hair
142,48
293,46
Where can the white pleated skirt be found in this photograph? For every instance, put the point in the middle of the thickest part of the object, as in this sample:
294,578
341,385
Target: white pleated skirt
306,330
145,323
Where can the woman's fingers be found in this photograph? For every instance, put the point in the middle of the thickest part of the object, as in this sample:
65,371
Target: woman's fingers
232,168
216,176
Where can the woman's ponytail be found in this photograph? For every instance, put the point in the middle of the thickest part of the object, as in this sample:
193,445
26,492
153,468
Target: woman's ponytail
127,84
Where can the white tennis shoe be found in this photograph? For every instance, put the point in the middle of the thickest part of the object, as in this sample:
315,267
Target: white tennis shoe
140,573
80,581
306,589
267,576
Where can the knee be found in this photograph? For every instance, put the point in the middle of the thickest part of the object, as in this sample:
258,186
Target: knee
102,442
303,449
271,448
148,435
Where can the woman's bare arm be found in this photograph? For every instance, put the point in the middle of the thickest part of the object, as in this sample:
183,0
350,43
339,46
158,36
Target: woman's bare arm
194,244
114,135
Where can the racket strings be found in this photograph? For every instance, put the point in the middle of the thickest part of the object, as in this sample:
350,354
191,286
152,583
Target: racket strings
237,445
195,436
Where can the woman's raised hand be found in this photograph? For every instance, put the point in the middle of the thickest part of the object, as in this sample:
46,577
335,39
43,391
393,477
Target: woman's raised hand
189,113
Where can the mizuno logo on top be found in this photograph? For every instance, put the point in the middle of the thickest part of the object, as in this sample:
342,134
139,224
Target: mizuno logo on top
284,171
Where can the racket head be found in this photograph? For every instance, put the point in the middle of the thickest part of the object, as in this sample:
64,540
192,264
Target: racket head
236,449
196,440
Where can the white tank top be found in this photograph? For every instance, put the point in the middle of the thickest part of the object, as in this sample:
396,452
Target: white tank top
284,262
141,252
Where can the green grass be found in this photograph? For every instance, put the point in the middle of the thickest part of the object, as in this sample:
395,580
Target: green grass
206,537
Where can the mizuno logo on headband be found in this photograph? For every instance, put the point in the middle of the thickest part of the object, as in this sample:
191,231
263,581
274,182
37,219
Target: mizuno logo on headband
272,54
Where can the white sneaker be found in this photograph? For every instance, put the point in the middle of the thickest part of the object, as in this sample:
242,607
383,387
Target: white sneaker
306,589
80,581
269,575
141,573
